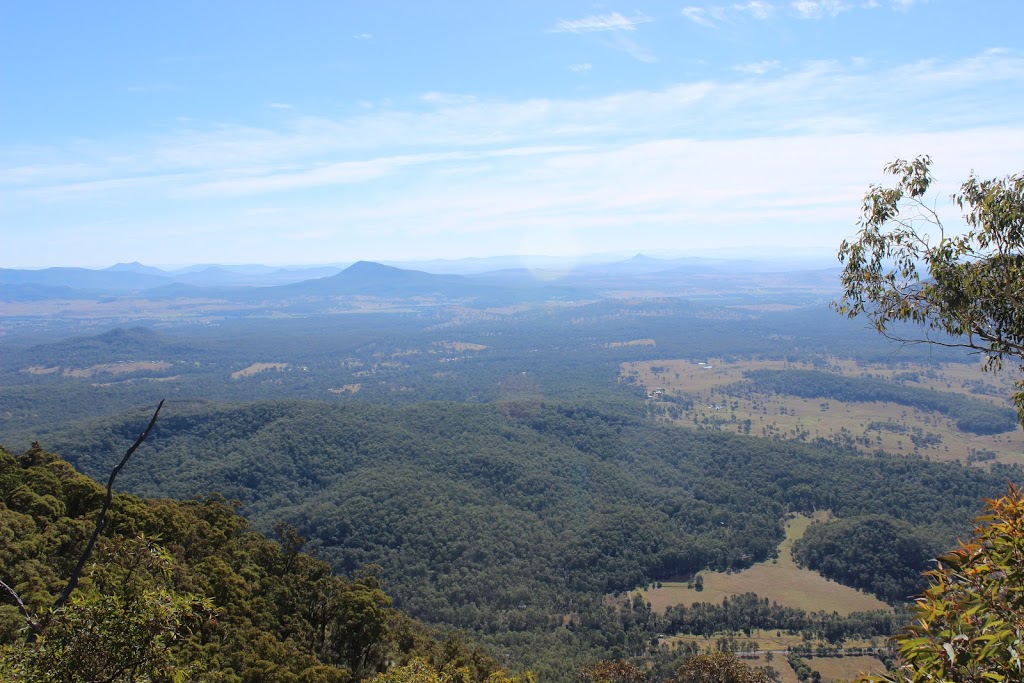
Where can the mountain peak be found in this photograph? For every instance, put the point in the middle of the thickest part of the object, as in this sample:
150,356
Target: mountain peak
365,267
134,267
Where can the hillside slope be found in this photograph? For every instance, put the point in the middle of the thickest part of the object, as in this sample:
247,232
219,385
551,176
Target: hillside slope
513,520
185,587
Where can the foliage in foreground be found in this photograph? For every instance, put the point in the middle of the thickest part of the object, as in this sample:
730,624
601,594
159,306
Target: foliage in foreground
268,612
968,289
969,624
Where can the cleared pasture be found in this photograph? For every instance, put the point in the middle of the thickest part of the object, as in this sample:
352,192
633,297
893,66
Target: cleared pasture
40,370
694,393
766,640
257,368
780,580
834,669
779,663
116,368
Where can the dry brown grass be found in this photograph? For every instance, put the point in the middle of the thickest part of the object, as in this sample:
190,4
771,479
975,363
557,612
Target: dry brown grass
807,419
834,669
779,663
134,380
257,368
40,370
780,581
116,368
771,639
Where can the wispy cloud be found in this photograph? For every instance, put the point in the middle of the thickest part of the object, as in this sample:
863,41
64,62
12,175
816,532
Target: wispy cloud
758,68
819,97
600,22
756,8
579,68
691,154
616,28
699,15
711,15
448,99
815,9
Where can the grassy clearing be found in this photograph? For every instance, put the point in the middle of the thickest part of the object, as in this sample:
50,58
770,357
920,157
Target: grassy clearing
116,368
776,641
135,380
834,669
775,416
779,663
40,370
780,581
256,368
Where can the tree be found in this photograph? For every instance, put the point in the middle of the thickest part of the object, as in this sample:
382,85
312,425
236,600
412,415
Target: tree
36,625
965,289
719,667
608,671
969,624
420,671
120,630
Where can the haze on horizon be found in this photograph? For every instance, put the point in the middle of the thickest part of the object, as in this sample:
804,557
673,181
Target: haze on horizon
398,131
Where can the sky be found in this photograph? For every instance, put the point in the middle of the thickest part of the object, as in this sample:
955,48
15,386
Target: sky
303,132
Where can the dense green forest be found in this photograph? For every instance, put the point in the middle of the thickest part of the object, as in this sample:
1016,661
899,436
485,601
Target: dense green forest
876,553
494,466
186,591
504,518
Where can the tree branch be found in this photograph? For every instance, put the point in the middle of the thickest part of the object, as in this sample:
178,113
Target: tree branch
101,520
30,619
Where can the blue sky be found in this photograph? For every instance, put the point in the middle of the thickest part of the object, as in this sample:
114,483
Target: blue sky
327,132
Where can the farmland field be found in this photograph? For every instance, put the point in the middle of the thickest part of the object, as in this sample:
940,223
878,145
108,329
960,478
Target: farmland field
834,669
779,663
121,368
780,580
257,368
696,394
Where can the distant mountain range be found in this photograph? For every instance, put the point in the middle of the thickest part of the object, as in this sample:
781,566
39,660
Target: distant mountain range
367,278
136,277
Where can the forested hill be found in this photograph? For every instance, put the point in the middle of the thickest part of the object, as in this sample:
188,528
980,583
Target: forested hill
506,518
185,591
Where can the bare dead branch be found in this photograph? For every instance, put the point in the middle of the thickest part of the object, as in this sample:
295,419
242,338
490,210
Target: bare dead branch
30,619
102,519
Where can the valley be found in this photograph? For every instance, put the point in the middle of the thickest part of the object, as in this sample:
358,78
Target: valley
778,579
510,450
